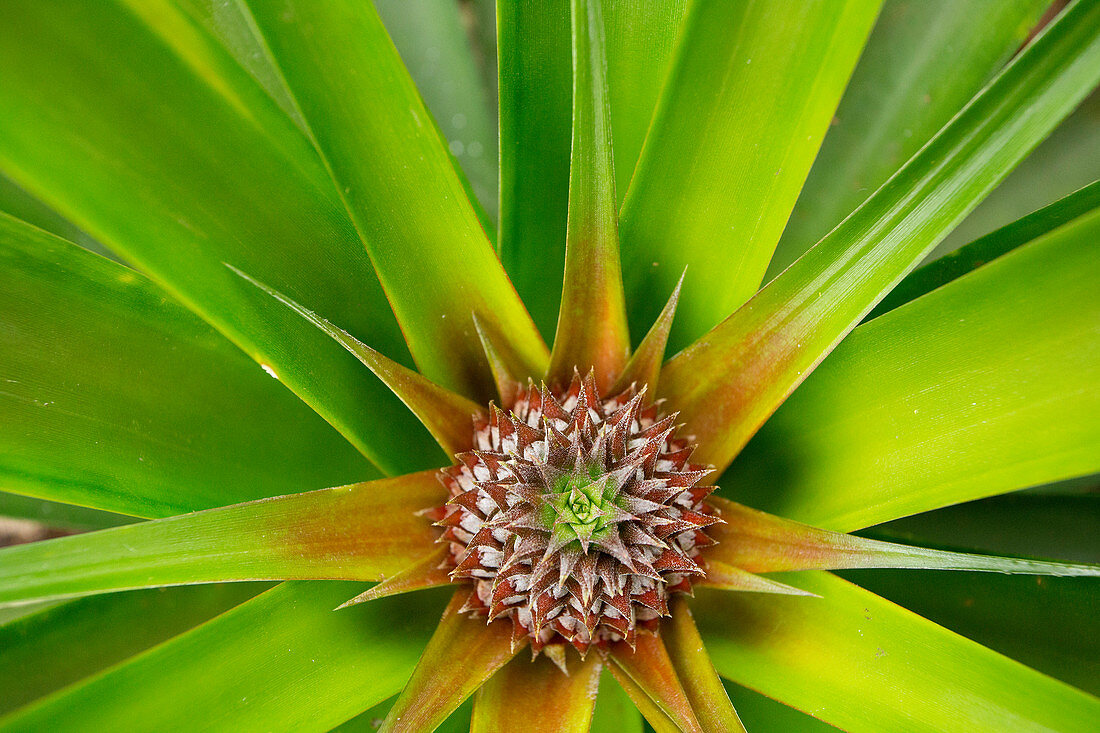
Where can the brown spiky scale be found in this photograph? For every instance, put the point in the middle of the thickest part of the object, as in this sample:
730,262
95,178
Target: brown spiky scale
576,516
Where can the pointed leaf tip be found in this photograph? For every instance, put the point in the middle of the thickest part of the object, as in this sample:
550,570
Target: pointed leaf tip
592,331
445,414
758,542
508,385
428,572
644,366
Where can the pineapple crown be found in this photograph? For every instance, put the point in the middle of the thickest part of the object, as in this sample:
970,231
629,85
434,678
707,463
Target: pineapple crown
576,516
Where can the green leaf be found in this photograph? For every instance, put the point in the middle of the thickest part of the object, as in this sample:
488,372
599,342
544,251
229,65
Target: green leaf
1005,349
923,62
762,713
761,543
592,332
535,98
424,238
744,108
1046,623
1060,527
708,698
614,712
282,661
863,664
430,571
445,414
21,205
730,382
56,514
644,366
561,703
433,43
56,647
127,402
233,25
462,653
1066,161
640,36
358,532
138,127
990,247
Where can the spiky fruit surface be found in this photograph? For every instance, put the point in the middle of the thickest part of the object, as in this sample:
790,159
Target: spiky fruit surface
576,516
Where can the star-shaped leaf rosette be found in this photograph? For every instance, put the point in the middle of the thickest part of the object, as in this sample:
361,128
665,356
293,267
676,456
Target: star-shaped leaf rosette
578,519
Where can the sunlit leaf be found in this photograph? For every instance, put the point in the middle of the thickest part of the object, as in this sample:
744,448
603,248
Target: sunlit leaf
114,396
427,245
50,649
864,664
991,356
180,161
979,252
747,100
728,383
923,62
358,532
282,661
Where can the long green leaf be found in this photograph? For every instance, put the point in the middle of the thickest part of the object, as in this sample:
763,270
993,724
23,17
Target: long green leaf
21,205
923,62
282,661
114,396
640,36
761,543
1067,160
592,331
1046,623
232,24
864,664
56,514
359,532
728,383
535,88
137,126
428,248
1005,358
56,647
445,414
1062,527
956,264
745,106
535,83
434,45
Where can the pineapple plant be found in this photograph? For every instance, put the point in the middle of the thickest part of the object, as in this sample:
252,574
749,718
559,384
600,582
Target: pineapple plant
549,366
